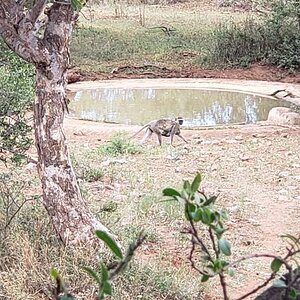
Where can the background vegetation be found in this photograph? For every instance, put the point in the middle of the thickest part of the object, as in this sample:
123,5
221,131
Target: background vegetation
129,34
16,98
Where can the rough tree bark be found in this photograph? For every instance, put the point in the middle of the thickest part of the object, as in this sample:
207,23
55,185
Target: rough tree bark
19,28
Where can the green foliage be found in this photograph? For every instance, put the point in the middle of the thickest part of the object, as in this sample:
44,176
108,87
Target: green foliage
235,44
201,209
119,145
111,244
283,26
16,96
77,4
274,39
105,275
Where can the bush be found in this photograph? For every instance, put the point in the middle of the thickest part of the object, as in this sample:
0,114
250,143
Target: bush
274,40
237,44
119,145
16,95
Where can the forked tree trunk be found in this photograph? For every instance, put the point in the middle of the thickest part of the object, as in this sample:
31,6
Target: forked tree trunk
61,194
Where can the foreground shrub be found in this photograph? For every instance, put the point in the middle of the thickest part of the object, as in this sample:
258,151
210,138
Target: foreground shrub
210,257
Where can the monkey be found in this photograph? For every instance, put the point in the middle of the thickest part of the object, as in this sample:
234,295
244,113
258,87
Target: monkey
162,127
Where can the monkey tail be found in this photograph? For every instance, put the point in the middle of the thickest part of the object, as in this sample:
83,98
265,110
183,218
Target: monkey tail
145,126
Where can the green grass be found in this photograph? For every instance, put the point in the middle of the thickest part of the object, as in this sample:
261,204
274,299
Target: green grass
111,42
203,38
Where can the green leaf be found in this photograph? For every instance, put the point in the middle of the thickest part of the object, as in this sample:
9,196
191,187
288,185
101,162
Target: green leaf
219,231
190,207
204,278
77,4
207,216
293,294
197,215
217,267
187,186
276,264
230,272
210,200
225,247
110,243
171,192
196,183
104,273
198,199
92,274
54,273
106,288
279,283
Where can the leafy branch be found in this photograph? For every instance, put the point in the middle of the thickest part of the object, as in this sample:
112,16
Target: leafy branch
199,208
106,274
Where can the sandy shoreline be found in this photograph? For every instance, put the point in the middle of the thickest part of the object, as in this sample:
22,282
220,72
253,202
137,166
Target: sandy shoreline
262,88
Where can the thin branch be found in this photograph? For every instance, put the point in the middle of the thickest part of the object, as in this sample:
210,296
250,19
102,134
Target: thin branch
193,264
196,236
272,276
224,285
130,252
213,242
283,260
15,213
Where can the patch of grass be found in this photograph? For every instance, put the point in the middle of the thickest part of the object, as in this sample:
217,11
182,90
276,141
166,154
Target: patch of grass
99,41
174,38
120,144
144,281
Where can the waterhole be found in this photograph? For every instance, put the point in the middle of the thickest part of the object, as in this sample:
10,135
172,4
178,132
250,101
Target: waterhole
197,107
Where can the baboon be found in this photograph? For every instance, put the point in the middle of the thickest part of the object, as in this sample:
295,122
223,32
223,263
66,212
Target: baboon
162,127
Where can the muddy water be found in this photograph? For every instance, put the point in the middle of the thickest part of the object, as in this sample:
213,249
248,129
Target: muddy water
198,107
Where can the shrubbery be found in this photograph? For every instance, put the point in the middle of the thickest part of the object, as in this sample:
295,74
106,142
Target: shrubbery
16,96
273,40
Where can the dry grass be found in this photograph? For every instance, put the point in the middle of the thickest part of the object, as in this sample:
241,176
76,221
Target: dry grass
128,198
105,36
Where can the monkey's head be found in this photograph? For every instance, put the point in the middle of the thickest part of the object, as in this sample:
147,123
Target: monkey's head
179,120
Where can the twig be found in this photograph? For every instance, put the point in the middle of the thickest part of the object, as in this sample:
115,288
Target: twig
272,276
132,248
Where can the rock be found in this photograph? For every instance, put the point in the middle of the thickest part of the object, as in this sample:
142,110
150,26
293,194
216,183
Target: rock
109,187
283,198
245,158
284,174
238,138
234,209
79,132
259,135
283,192
283,116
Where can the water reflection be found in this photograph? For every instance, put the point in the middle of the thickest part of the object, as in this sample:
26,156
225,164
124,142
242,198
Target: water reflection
198,107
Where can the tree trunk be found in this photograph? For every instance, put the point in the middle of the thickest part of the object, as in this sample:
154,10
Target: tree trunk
50,54
61,194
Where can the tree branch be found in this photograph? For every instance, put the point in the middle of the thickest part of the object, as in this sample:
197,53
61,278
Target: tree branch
36,10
